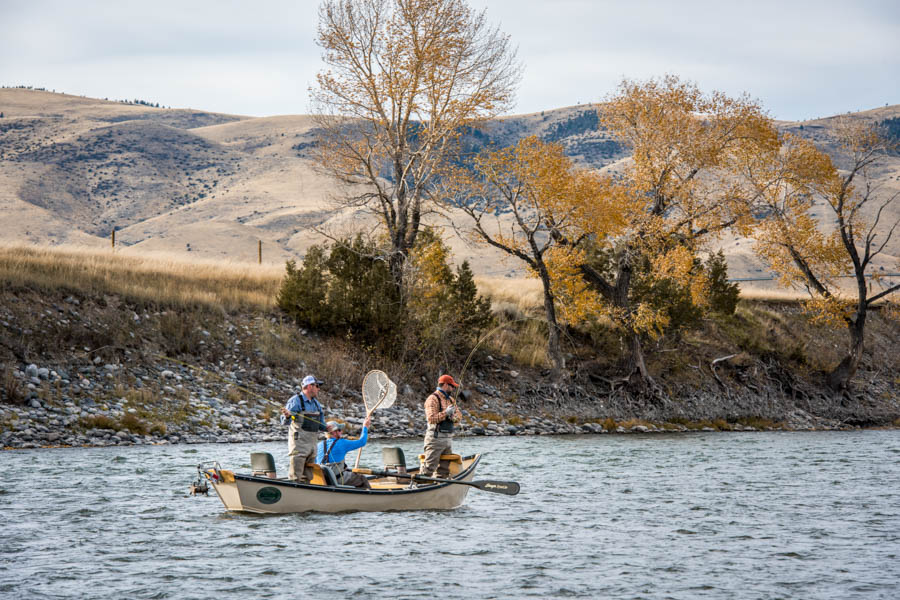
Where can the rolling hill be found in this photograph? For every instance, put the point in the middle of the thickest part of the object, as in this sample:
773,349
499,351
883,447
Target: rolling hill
196,183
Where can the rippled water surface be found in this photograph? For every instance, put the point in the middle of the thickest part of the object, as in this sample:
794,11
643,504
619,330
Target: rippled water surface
711,515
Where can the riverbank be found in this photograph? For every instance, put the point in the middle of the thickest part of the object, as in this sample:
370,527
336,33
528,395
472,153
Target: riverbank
90,368
80,420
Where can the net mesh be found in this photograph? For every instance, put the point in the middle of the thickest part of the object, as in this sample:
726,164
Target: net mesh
378,390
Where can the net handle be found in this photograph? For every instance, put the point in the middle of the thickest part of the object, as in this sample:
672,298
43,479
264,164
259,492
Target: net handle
381,397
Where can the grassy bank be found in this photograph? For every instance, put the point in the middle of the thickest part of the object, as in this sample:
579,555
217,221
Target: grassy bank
65,305
152,278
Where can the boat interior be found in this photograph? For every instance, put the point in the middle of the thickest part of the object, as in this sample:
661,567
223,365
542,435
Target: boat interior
393,459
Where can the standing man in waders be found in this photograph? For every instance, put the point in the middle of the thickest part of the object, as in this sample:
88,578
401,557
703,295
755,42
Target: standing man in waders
307,420
441,414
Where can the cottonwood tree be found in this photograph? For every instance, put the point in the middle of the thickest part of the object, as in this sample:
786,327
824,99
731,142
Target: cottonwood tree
679,192
403,80
803,252
527,200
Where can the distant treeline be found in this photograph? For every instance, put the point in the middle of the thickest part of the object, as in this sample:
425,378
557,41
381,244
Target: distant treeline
583,122
41,89
26,87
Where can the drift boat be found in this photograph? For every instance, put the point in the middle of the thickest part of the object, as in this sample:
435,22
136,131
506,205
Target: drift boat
261,492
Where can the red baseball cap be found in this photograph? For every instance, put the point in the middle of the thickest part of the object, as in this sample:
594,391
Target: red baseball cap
447,379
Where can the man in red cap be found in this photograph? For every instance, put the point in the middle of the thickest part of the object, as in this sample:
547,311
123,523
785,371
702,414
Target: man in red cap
441,414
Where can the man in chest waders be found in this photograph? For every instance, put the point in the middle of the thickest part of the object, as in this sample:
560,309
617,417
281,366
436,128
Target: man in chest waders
307,419
441,414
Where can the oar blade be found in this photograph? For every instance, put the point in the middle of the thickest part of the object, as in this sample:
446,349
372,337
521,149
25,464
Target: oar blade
510,488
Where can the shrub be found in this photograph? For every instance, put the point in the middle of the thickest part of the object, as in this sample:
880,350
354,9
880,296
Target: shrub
12,388
134,425
347,290
673,298
179,332
723,296
98,422
670,297
474,311
234,395
302,293
445,309
361,295
344,289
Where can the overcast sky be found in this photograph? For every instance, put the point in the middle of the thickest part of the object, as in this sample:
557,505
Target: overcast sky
801,59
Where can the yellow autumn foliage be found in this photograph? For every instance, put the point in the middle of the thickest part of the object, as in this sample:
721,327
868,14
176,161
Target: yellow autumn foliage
792,179
402,79
682,188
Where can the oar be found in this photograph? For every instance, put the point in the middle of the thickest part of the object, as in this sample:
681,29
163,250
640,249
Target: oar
510,488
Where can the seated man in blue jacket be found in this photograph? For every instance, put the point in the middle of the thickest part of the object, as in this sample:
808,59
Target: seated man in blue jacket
331,451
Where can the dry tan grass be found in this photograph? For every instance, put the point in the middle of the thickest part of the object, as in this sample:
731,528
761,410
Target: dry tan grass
772,295
522,296
155,277
171,279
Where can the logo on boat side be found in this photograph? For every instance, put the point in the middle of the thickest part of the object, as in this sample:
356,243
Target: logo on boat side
268,495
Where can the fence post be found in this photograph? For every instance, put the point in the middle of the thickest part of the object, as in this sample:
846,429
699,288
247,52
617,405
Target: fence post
260,251
112,238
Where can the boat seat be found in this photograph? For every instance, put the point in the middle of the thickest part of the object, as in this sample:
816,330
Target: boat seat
454,462
393,459
324,476
262,464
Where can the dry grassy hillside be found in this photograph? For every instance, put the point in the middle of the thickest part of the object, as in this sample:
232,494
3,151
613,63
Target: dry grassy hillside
185,181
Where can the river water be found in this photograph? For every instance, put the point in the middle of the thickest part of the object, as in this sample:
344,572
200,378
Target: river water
700,515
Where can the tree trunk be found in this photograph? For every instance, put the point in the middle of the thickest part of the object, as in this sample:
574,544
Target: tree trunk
553,349
616,293
840,377
636,365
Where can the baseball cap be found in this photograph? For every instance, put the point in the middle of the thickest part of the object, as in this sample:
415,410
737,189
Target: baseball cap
447,379
332,425
309,380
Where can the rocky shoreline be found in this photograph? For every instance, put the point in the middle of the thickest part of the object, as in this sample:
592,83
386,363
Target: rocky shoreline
98,371
77,419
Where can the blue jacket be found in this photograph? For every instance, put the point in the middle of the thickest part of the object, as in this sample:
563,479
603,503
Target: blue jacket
299,403
340,448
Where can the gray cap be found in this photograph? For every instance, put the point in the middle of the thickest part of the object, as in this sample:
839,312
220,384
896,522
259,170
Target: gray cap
332,425
310,379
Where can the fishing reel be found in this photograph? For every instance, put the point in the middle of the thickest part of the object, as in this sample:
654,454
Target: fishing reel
199,487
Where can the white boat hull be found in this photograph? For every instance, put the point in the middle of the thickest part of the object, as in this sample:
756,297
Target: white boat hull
262,495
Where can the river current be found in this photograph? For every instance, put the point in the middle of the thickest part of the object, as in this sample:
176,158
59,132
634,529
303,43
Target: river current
700,515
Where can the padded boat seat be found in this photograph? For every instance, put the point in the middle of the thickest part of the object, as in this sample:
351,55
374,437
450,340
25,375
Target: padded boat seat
450,457
324,476
454,462
262,464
